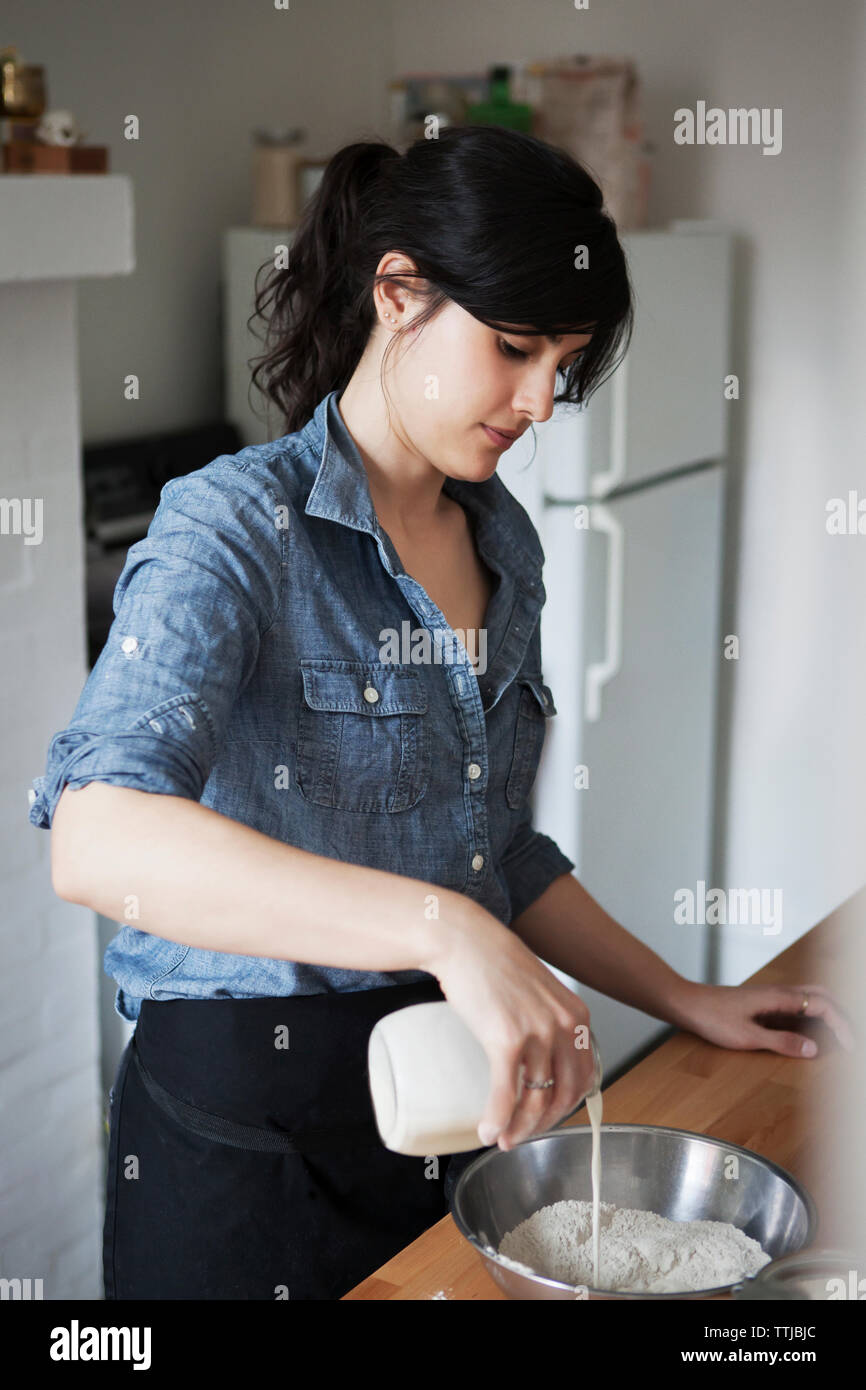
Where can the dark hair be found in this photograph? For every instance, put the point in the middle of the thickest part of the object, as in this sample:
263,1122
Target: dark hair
493,220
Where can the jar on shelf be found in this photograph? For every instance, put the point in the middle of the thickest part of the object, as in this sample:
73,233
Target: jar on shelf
277,158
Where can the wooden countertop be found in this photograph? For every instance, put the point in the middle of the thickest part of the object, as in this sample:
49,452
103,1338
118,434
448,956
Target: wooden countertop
761,1100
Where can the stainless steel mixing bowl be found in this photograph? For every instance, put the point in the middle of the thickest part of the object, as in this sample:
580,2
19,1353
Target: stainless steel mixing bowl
673,1172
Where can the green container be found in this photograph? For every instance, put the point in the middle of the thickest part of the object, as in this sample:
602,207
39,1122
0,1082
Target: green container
499,109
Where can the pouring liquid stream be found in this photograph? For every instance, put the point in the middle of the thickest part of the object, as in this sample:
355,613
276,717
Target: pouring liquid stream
593,1109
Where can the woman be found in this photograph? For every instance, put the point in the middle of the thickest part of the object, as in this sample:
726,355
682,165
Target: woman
306,803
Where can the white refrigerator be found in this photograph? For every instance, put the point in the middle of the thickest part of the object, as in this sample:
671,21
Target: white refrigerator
627,496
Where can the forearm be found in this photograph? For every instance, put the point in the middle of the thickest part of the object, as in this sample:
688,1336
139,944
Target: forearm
168,865
567,928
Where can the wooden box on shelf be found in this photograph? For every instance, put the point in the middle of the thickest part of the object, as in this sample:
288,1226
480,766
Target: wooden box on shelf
30,157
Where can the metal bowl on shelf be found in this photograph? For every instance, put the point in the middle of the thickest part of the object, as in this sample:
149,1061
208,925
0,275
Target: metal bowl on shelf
676,1173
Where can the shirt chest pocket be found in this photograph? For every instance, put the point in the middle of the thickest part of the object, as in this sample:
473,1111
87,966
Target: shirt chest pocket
534,707
363,736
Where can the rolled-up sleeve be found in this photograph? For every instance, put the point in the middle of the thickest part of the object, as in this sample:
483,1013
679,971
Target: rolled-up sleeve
530,864
191,605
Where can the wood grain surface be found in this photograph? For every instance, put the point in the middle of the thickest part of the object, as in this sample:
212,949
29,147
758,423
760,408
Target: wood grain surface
787,1109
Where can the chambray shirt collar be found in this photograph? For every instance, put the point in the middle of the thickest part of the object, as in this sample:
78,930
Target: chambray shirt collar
341,493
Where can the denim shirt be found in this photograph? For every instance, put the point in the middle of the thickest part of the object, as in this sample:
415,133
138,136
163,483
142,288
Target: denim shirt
245,668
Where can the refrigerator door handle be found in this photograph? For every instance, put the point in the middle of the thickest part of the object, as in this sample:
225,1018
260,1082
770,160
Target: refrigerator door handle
599,673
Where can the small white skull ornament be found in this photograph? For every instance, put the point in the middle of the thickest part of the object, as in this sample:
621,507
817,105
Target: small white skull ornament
59,128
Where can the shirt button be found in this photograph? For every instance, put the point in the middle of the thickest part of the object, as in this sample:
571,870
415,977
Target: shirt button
129,644
478,862
371,695
31,795
474,771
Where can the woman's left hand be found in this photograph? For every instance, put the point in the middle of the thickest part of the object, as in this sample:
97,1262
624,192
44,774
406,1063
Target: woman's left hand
728,1015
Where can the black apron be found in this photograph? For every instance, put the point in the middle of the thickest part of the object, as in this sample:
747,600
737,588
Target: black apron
244,1160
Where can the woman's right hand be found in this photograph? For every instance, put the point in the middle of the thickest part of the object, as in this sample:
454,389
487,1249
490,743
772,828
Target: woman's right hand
521,1013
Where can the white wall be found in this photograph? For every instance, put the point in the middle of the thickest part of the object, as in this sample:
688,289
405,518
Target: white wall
51,1175
200,76
54,231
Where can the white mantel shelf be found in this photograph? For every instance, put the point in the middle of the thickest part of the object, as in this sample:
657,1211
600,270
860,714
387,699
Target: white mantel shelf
65,226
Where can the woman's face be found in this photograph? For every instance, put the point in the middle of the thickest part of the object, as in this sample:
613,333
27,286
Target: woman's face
458,376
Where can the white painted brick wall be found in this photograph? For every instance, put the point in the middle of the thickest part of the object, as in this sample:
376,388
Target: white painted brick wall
51,1103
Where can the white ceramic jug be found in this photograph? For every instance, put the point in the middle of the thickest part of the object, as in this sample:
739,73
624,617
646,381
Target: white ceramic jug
430,1080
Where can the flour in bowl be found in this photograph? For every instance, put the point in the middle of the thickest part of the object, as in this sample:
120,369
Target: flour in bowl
640,1252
